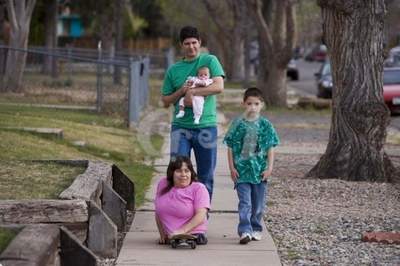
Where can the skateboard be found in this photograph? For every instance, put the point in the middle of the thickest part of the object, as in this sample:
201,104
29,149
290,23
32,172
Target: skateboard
183,241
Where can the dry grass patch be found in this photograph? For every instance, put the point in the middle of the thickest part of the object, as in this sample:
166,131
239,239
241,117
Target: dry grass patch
35,180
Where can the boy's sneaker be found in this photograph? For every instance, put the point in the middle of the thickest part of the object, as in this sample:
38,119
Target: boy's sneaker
256,236
245,238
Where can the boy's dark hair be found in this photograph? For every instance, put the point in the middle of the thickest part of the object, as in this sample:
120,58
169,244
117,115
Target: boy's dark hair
254,92
189,32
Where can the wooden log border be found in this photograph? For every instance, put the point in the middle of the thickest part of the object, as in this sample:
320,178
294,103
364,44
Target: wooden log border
46,244
102,185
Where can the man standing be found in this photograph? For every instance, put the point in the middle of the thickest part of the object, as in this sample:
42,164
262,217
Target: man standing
185,134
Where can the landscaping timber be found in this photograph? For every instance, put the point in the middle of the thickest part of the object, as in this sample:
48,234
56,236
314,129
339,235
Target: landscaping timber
43,211
35,245
57,133
88,185
92,210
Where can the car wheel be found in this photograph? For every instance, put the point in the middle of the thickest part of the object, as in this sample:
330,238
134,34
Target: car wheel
323,94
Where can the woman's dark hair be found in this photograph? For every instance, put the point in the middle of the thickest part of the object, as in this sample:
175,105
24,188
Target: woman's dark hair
254,92
174,164
189,32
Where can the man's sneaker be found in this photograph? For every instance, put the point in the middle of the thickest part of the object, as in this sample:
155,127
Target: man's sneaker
245,238
256,236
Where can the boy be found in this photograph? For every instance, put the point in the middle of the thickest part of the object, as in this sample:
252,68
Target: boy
202,80
251,139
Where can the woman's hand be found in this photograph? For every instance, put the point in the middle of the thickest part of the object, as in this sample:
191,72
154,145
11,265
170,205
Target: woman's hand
178,232
267,173
163,240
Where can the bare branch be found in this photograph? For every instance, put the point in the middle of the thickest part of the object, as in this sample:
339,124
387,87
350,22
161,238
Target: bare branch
11,15
277,32
290,29
255,7
30,8
215,18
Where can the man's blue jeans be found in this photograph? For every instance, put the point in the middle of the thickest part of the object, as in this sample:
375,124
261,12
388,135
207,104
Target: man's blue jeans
203,141
252,200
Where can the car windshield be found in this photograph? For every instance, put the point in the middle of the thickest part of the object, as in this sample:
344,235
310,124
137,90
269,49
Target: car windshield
326,69
391,76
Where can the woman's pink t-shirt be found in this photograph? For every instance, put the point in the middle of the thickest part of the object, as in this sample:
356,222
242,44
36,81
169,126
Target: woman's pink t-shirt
178,206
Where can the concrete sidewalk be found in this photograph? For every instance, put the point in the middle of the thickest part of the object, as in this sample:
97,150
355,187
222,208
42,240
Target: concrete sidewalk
140,244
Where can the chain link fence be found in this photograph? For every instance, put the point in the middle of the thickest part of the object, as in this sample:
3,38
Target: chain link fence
111,83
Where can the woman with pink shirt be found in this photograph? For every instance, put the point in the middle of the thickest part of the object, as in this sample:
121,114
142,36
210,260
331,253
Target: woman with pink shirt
181,202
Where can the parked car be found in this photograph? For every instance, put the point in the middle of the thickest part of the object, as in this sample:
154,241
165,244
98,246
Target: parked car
391,88
318,53
391,85
393,59
292,70
324,80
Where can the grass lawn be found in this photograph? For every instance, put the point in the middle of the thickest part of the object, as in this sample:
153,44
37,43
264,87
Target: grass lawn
5,238
105,138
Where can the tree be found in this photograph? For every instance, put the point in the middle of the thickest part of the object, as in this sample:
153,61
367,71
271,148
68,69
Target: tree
51,16
275,23
222,25
309,23
359,115
232,31
19,15
118,39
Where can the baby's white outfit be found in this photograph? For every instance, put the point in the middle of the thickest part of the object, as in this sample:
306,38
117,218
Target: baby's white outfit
197,101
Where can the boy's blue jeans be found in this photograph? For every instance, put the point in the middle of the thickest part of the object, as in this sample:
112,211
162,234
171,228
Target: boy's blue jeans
203,141
252,200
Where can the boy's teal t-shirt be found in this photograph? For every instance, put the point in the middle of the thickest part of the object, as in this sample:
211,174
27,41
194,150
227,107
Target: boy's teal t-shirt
175,78
250,142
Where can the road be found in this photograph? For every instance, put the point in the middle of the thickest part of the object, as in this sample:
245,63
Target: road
306,86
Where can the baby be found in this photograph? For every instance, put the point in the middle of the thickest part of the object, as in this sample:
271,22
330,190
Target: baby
202,80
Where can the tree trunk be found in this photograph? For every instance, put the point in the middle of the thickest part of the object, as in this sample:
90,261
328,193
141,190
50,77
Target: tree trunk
231,34
105,10
273,84
359,116
275,23
50,63
118,22
16,61
247,62
3,39
237,57
238,33
19,14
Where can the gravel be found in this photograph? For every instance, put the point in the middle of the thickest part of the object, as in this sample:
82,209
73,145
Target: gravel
321,221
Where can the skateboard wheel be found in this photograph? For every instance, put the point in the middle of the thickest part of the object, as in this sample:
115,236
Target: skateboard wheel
173,244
